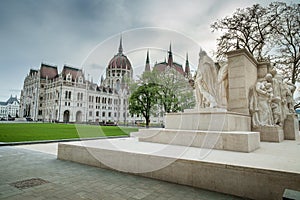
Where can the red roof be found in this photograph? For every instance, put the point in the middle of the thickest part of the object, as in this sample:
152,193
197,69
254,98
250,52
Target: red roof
75,72
119,61
48,71
163,65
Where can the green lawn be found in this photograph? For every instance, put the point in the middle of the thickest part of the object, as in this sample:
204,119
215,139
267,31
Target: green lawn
10,132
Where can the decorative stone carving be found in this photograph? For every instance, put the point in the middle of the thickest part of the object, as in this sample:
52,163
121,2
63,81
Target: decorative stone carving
260,103
272,105
223,86
211,86
205,82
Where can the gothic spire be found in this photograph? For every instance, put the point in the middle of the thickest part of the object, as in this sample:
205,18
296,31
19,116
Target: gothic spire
147,66
120,46
187,66
170,59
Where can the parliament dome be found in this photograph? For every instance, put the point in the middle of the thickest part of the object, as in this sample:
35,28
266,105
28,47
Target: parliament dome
119,69
119,61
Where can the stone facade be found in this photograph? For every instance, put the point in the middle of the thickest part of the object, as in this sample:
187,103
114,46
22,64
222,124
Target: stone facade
69,96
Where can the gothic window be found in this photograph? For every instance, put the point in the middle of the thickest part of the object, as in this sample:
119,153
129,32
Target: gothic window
69,77
118,84
80,79
69,94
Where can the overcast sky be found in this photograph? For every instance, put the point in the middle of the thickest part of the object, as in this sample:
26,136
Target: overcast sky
85,33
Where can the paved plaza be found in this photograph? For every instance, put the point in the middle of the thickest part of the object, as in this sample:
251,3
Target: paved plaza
33,172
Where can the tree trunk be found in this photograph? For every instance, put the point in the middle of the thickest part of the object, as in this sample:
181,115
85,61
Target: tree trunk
147,122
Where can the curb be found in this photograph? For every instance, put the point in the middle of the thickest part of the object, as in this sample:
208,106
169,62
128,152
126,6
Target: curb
61,140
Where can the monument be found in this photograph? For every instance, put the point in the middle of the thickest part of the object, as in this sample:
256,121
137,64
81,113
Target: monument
215,146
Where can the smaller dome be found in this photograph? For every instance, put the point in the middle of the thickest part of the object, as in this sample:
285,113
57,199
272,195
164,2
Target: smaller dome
119,61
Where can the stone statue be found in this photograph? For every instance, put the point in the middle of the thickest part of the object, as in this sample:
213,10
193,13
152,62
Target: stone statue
260,102
203,97
276,104
290,100
222,82
205,82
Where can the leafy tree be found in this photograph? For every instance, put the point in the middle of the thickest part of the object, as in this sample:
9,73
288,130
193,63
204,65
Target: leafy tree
143,99
176,94
156,91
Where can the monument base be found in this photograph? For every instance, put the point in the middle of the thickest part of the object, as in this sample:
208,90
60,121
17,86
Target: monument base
270,133
291,127
208,119
230,140
263,174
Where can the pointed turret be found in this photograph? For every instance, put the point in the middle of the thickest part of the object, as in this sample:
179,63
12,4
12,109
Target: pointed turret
170,58
147,66
120,46
102,79
187,70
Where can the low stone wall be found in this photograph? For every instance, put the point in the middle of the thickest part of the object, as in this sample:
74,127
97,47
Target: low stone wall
246,182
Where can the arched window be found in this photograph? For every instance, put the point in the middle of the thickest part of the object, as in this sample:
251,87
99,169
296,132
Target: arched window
118,85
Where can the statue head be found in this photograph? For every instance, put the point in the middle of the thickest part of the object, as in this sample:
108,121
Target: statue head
269,77
202,53
273,72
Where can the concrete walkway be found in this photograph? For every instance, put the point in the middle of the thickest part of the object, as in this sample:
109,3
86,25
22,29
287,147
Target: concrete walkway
33,172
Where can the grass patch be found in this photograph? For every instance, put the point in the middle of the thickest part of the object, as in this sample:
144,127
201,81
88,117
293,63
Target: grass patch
11,132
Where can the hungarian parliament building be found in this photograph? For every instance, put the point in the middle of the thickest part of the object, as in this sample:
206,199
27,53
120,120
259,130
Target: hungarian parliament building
68,96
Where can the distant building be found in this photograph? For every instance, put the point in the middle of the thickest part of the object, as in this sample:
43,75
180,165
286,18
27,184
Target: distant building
10,108
69,97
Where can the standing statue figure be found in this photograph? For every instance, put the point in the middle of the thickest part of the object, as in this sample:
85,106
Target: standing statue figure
290,100
205,82
277,102
260,102
223,86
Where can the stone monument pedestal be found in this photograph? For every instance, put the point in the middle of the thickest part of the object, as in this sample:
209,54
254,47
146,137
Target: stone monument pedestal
239,141
291,127
208,119
270,133
210,128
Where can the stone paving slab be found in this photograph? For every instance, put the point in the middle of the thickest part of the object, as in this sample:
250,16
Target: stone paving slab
69,180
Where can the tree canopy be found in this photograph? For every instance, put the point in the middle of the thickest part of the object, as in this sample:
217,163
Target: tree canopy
268,33
143,99
156,92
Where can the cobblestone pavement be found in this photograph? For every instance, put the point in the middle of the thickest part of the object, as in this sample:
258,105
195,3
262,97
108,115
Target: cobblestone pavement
41,176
